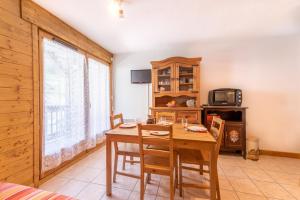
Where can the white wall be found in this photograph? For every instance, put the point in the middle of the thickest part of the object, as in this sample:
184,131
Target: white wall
266,69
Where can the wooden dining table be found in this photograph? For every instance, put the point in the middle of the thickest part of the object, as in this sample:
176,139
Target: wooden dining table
182,139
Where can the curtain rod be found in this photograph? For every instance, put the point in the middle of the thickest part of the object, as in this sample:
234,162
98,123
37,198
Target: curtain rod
65,43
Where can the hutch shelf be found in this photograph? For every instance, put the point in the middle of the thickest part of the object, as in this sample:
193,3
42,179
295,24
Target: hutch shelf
176,83
234,136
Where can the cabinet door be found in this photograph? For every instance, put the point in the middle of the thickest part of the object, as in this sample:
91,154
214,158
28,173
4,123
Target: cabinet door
163,79
234,135
191,116
187,78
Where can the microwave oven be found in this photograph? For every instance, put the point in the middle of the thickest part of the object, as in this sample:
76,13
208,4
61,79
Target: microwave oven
225,97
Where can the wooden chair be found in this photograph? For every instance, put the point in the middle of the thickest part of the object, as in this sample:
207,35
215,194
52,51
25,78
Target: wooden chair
170,116
156,161
201,158
123,149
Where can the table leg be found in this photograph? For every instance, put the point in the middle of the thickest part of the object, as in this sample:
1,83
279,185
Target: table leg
213,175
108,166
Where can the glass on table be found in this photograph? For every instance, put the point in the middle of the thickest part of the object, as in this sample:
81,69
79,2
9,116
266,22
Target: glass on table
184,122
162,120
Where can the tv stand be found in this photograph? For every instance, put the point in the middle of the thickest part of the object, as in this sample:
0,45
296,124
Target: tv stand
234,136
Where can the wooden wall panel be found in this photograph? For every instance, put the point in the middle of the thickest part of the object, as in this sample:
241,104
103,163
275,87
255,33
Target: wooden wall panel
12,6
15,45
15,94
15,118
22,177
13,158
14,20
14,32
7,55
16,106
16,167
11,69
14,27
12,143
15,82
35,14
16,99
15,155
15,130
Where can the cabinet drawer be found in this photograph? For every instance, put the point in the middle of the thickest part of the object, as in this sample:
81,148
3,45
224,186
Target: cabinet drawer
191,116
169,116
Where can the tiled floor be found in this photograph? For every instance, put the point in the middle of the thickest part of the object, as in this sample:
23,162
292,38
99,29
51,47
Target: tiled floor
269,178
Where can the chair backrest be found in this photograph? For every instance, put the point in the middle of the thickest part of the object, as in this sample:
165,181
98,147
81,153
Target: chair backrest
170,116
165,143
217,129
118,117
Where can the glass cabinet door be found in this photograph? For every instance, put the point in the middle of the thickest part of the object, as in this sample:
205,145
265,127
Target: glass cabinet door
186,78
164,82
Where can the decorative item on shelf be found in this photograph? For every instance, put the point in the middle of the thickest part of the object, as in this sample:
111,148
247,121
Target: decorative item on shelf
162,89
190,103
164,82
190,80
166,72
171,104
184,80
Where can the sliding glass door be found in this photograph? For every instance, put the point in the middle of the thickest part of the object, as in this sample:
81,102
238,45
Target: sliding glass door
76,103
99,95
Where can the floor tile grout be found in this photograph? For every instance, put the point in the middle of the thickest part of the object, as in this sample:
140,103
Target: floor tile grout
225,163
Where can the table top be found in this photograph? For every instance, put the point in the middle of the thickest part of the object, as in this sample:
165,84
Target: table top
179,133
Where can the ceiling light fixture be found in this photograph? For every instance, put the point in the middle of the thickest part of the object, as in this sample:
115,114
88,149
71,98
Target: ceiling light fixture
117,8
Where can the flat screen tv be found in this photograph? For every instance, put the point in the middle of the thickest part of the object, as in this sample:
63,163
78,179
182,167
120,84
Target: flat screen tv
141,76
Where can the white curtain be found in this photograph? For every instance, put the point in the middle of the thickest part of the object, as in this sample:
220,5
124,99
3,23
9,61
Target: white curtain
76,103
99,95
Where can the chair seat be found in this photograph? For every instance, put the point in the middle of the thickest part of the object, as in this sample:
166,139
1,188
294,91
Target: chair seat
128,147
191,156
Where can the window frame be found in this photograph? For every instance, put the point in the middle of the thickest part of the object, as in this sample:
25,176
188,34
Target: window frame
41,35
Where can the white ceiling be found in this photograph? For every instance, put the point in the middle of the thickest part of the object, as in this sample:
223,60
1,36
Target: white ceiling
156,24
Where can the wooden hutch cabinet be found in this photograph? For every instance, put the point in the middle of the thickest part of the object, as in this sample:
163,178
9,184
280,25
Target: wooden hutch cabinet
234,136
175,81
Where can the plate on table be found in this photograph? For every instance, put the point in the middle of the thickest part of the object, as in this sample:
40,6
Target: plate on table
197,128
128,125
159,133
165,123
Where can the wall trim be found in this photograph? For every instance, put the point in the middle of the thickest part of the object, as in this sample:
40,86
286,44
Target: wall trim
280,154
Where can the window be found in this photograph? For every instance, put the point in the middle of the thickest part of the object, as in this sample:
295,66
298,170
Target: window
99,89
76,102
